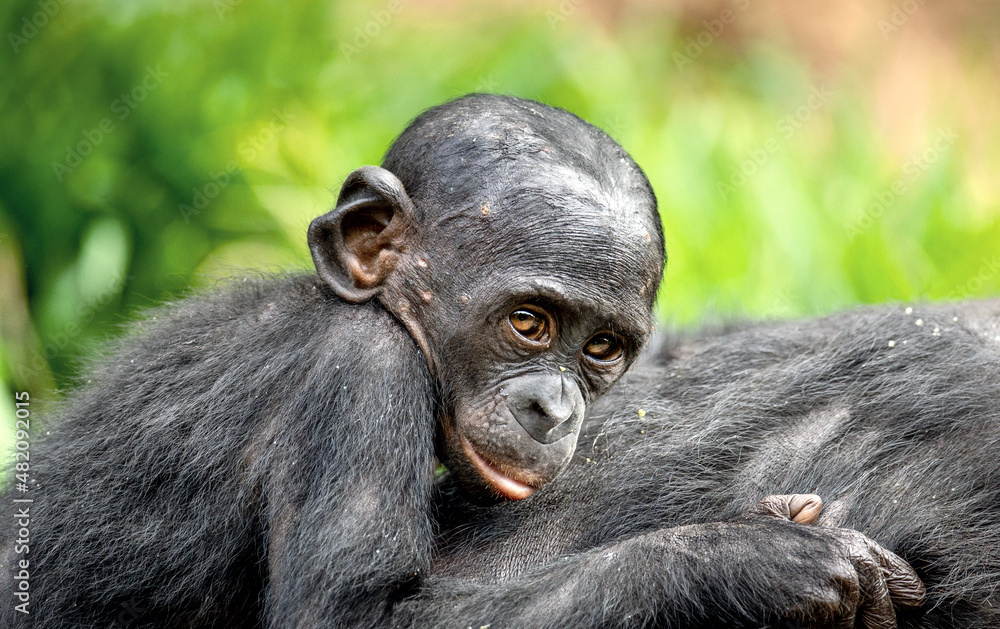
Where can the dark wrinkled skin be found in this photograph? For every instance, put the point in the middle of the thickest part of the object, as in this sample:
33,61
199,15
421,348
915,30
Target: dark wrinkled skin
649,525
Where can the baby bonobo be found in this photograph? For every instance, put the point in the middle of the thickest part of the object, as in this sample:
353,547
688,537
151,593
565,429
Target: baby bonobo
264,455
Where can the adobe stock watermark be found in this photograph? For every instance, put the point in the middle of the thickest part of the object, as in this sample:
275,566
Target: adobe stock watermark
487,84
562,12
987,275
914,167
615,127
203,195
250,147
225,7
781,306
367,32
898,17
786,127
86,312
714,27
122,108
21,507
130,613
208,191
32,25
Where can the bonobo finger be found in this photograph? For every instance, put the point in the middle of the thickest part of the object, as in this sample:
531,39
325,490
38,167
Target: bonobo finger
875,611
905,587
801,508
805,508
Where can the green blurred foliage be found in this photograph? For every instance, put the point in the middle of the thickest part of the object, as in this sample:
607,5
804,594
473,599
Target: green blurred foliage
149,147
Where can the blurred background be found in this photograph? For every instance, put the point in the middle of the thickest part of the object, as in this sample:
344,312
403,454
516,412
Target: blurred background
807,156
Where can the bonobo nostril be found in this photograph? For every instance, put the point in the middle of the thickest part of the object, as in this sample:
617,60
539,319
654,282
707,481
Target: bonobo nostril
536,407
556,410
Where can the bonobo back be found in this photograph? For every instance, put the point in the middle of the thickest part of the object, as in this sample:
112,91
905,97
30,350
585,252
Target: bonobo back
185,446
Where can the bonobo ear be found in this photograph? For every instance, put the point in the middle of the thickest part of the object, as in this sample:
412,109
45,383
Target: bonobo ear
357,245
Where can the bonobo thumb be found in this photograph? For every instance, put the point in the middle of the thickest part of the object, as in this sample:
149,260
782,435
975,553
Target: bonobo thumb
801,508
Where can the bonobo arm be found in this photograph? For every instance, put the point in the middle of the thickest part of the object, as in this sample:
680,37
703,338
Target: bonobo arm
763,570
348,495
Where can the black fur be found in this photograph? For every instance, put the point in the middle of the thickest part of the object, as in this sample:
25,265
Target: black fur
264,456
198,469
902,443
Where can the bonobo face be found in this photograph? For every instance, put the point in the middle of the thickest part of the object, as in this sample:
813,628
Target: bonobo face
517,407
520,370
543,322
522,250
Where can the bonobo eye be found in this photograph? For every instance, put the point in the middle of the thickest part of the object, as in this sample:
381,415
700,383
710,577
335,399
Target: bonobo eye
530,323
603,347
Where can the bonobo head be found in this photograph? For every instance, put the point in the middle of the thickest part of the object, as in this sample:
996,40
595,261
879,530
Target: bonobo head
522,249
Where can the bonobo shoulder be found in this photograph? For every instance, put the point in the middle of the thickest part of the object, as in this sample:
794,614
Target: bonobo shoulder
291,323
364,330
296,303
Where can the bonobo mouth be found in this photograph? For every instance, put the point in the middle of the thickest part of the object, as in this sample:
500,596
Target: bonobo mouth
503,484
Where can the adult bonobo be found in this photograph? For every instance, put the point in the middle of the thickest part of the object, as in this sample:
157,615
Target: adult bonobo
264,455
891,414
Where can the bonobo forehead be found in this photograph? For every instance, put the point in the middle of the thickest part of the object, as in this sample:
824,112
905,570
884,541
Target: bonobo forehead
508,186
458,156
594,246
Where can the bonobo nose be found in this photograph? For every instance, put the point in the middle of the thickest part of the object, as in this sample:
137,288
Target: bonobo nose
557,409
548,406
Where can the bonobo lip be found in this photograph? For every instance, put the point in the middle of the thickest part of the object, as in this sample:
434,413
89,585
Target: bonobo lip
501,482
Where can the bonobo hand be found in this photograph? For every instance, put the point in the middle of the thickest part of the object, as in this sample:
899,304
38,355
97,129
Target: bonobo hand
865,581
